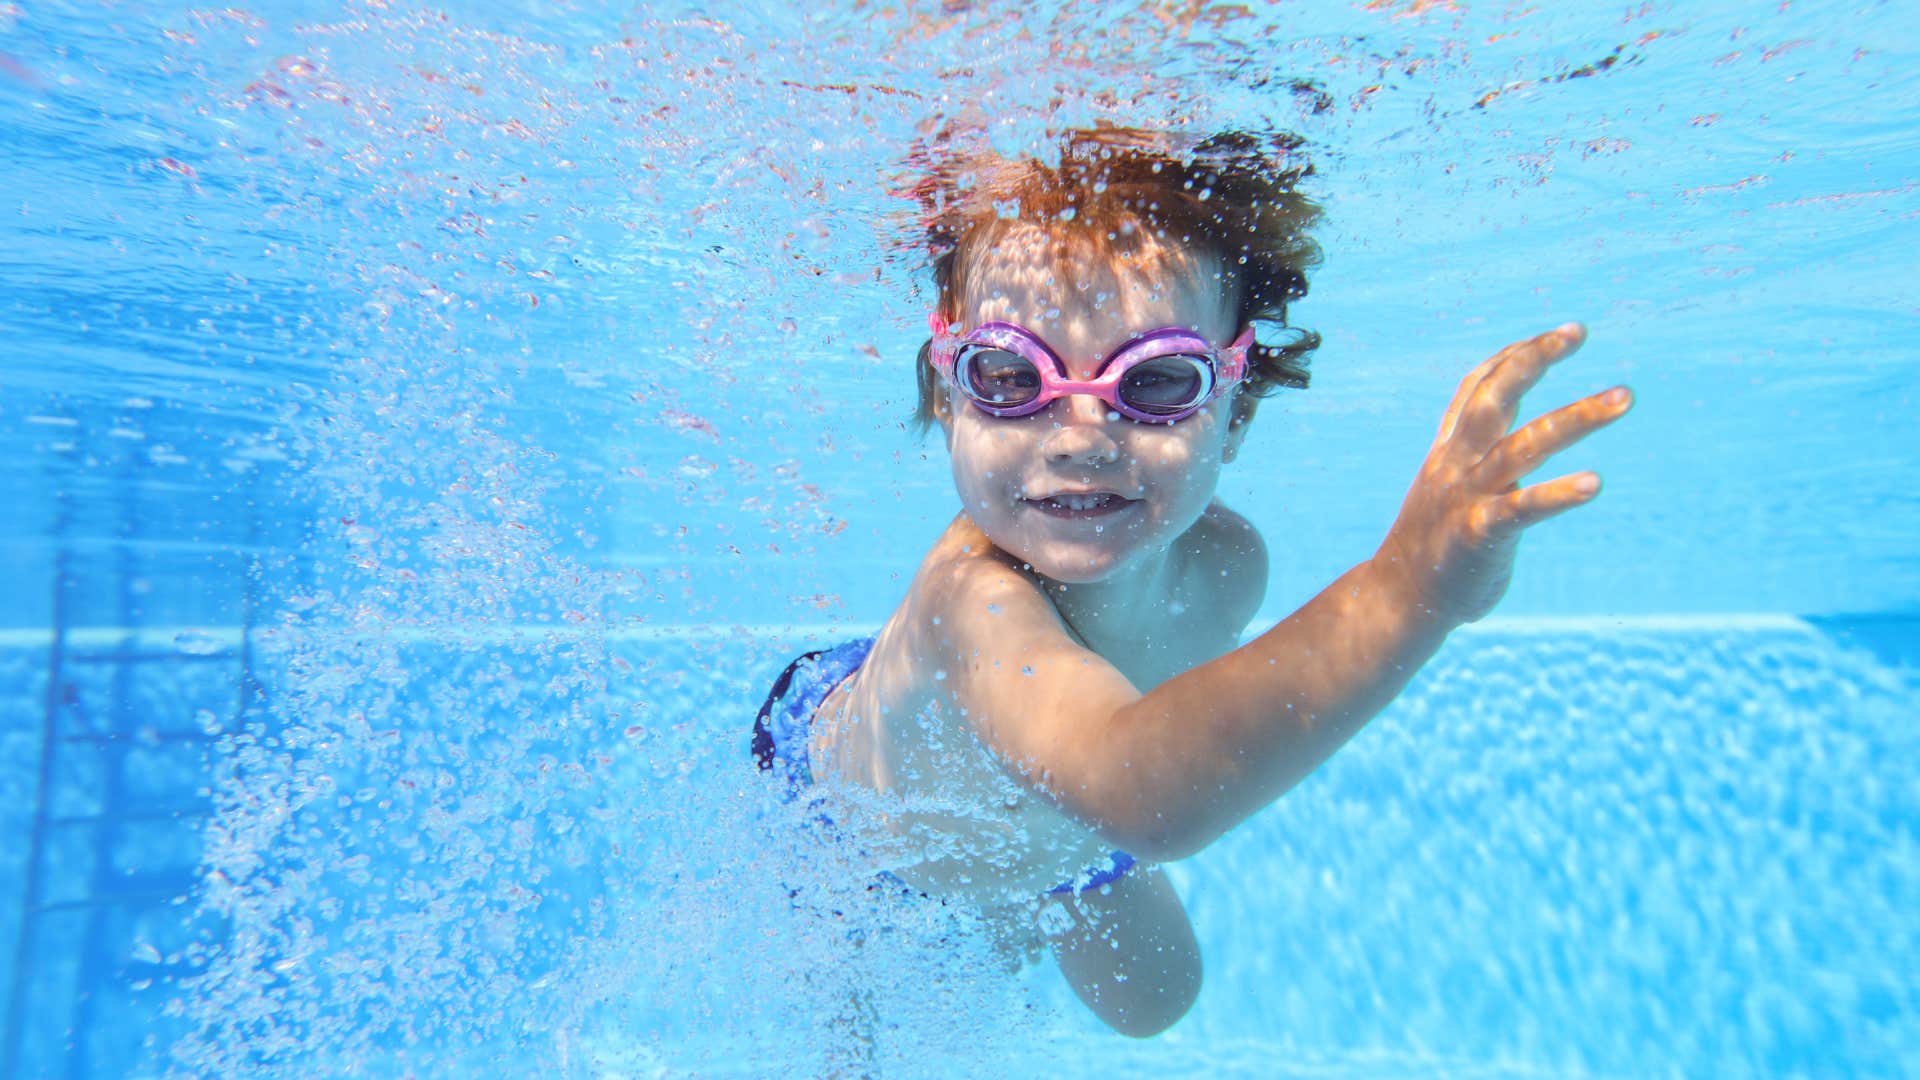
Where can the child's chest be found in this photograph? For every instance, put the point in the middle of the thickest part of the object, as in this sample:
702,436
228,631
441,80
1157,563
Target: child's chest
1173,649
1190,625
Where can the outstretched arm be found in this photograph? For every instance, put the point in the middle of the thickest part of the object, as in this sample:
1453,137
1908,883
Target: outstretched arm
1165,773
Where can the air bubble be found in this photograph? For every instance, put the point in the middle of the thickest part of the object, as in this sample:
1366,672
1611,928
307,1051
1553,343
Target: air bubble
1054,920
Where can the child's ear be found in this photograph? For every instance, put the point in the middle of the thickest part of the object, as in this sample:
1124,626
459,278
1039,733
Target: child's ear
943,412
1244,406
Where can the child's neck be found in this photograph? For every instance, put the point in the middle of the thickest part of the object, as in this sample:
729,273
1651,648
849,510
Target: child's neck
1117,611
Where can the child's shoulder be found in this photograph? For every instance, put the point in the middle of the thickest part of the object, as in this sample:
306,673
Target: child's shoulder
1228,547
1224,574
964,573
1228,533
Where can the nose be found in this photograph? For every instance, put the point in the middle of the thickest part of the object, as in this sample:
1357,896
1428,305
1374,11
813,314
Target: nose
1081,432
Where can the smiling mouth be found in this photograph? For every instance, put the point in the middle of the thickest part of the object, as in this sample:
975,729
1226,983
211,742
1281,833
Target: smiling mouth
1090,504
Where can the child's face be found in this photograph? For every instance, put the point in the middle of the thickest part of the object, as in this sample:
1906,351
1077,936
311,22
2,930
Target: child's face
1085,301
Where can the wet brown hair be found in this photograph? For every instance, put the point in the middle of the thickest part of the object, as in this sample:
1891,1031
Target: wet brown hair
1235,193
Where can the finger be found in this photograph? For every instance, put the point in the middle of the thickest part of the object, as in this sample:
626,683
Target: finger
1451,418
1449,422
1523,451
1502,516
1487,415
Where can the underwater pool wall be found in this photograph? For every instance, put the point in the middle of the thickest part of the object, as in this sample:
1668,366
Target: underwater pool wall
1566,836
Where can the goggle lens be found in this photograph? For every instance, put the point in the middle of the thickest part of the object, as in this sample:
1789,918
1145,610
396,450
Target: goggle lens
1167,384
997,377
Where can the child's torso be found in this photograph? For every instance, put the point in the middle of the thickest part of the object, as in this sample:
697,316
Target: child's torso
963,822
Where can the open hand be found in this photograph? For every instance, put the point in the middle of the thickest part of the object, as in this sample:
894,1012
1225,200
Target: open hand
1451,549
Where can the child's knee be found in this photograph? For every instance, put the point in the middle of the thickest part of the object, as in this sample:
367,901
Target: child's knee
1138,978
1144,1015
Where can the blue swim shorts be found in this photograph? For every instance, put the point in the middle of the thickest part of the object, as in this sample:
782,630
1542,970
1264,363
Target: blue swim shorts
780,735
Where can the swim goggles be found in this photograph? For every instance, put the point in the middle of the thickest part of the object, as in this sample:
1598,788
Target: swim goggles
1159,377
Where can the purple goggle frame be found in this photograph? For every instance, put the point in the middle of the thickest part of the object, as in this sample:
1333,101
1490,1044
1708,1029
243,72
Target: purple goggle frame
1213,369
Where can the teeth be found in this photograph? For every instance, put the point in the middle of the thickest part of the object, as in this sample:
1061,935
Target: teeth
1080,502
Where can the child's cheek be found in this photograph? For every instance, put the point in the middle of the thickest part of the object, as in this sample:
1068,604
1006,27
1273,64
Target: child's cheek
1196,444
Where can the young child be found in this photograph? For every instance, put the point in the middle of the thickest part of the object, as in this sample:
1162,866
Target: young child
1058,704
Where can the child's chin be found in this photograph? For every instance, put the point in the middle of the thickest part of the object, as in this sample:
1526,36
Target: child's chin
1075,568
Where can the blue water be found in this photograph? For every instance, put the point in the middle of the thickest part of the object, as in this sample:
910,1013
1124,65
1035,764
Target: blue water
430,429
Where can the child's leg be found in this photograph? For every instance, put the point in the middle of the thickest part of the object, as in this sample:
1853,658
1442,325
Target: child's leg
1129,954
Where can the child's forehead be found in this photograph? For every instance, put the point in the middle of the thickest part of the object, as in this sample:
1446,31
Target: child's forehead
1021,265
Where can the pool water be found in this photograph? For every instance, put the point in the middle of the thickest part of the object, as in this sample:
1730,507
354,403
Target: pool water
432,428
